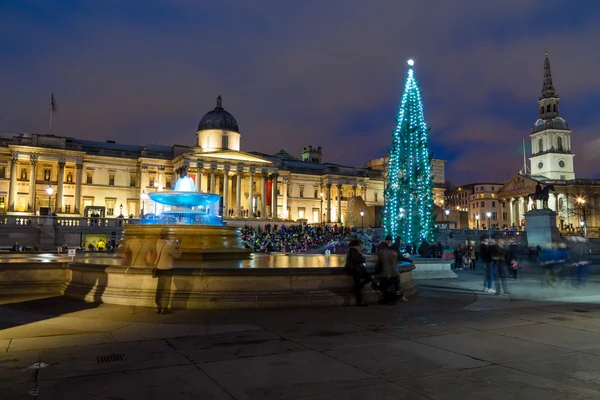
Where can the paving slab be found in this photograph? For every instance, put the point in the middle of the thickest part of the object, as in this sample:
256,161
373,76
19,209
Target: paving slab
146,331
48,342
495,382
231,346
554,335
575,369
286,376
213,329
180,382
404,359
387,391
490,347
69,362
481,321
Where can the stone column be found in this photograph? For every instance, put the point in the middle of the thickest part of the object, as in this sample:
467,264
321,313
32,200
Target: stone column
14,165
263,203
161,173
33,160
59,191
199,176
251,192
238,193
79,177
512,211
284,187
144,180
353,190
328,202
225,211
274,196
521,211
213,180
552,202
339,205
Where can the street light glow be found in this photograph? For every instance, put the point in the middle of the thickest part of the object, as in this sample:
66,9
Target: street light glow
411,62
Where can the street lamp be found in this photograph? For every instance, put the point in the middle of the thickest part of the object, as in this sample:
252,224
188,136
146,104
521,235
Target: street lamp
447,212
49,191
477,219
362,218
489,216
581,201
144,197
121,210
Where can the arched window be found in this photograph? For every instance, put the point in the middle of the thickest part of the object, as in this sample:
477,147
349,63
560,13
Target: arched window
540,145
559,143
549,108
225,142
541,110
555,108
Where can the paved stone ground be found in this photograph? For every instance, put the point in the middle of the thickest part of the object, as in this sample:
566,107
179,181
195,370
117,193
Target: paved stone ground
450,342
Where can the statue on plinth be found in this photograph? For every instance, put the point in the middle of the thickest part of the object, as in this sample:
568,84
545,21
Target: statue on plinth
542,194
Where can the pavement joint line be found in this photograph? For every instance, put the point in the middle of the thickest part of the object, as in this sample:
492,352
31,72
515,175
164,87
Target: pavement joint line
198,367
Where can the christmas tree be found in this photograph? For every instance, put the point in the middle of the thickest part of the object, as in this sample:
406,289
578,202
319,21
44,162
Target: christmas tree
409,191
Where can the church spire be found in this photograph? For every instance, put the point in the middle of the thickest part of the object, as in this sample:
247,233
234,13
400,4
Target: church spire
548,88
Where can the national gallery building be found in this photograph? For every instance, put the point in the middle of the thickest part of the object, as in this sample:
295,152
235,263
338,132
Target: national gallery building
47,174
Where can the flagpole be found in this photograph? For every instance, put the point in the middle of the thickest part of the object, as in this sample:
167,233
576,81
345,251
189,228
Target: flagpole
50,124
524,159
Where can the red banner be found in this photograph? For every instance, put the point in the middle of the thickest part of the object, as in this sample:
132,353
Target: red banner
269,193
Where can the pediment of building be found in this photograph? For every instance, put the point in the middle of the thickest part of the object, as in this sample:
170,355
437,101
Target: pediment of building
519,185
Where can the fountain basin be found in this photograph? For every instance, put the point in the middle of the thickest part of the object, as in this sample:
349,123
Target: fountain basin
197,242
190,288
185,199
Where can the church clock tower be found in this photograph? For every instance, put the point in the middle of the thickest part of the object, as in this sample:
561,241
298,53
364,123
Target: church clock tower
550,136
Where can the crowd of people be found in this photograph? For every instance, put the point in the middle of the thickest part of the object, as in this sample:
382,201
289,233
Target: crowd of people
297,238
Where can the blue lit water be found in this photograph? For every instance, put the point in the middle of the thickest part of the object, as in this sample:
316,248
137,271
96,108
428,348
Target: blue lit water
188,206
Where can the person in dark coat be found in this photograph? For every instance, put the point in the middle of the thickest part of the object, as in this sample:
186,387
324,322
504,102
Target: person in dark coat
355,265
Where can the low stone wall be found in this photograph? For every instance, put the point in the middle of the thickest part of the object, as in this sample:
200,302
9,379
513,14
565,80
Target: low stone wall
433,268
32,278
190,288
185,288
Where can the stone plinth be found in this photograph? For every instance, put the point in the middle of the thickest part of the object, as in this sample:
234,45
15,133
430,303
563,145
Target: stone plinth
540,227
433,268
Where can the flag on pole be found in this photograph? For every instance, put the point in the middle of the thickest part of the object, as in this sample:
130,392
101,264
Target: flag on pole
52,103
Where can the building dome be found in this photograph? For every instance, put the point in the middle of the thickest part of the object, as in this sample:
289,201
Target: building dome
218,119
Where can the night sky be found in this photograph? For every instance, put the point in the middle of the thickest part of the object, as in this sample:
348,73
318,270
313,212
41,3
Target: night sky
321,72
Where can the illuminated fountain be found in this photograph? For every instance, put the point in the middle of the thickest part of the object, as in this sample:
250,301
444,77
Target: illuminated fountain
191,218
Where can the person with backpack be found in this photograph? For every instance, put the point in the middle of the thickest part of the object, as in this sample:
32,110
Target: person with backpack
387,269
355,265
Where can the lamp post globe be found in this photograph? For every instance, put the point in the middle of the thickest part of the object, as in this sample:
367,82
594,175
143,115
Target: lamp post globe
489,216
477,219
362,218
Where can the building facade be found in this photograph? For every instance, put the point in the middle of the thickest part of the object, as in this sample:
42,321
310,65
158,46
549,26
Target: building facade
479,199
43,174
437,168
575,200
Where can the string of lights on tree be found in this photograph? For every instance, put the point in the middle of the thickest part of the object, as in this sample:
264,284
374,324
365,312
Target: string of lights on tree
409,191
